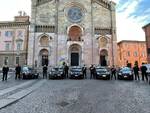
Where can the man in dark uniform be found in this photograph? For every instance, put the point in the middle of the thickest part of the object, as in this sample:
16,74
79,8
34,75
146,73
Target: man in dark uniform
84,71
136,72
113,72
92,71
18,71
44,71
5,72
144,74
66,68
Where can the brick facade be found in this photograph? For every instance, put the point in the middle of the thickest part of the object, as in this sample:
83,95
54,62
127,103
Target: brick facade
131,51
147,37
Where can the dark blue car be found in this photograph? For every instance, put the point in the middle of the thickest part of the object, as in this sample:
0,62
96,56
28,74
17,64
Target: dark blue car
125,73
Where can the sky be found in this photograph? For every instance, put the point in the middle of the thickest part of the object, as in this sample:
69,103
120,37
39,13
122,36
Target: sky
131,16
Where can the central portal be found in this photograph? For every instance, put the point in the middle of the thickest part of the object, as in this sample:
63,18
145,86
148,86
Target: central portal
74,59
43,56
75,55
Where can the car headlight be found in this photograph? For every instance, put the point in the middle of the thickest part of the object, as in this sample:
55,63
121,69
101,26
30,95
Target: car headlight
71,73
50,73
98,73
130,73
81,73
119,73
107,73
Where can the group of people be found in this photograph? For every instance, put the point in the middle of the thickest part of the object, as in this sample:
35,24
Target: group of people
113,70
65,71
92,69
143,70
5,71
93,72
136,70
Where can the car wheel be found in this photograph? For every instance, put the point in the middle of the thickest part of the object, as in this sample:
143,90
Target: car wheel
118,78
131,77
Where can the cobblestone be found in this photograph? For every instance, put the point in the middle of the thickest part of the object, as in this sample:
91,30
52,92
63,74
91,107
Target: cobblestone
85,96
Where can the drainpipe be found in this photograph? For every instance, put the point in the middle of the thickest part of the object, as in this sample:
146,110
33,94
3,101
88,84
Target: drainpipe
112,35
56,31
92,28
33,59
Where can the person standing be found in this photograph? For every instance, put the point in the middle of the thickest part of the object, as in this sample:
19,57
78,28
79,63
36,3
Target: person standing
66,70
5,72
144,74
44,71
18,71
84,71
92,71
136,72
113,72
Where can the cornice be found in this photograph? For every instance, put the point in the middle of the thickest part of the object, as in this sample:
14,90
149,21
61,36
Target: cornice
105,3
13,24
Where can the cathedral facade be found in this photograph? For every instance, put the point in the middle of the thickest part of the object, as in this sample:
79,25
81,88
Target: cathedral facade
73,31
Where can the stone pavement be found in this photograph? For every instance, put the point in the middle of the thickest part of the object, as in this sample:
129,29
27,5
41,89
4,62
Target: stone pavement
85,96
18,94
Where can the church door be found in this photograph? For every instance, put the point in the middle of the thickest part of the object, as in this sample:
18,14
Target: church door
74,59
44,60
103,60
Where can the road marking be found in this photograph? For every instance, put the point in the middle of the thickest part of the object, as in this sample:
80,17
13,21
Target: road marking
10,74
15,97
4,91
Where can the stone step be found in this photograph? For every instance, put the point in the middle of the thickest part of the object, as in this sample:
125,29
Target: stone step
19,95
8,90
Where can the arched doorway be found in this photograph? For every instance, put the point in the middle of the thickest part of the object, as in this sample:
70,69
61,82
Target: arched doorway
103,57
75,55
75,33
44,57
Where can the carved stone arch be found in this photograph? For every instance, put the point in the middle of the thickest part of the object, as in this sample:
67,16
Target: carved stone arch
103,41
75,32
44,40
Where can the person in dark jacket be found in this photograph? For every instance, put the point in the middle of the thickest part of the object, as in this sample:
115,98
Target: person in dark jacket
136,72
92,71
84,71
113,72
44,71
66,69
18,71
5,72
144,74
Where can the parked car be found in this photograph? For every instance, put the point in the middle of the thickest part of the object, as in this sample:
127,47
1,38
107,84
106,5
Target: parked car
125,73
29,73
148,69
76,72
102,73
56,73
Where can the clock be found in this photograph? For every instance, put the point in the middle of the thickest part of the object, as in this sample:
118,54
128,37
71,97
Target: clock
75,14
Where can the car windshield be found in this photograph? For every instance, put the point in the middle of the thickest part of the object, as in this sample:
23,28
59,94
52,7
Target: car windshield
125,69
101,69
76,69
57,69
27,69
